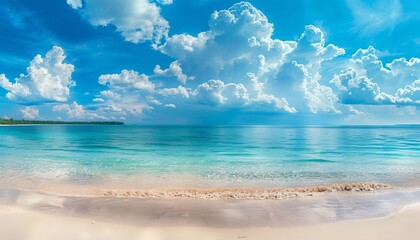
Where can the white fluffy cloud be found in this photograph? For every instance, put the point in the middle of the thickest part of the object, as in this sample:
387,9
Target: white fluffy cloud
235,40
174,70
365,80
237,63
403,71
136,20
285,74
264,100
311,49
30,113
127,79
357,89
180,90
75,4
126,93
298,79
73,110
411,92
76,111
218,93
48,79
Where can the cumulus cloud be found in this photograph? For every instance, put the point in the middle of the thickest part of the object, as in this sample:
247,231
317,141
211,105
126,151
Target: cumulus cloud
153,101
240,42
237,64
76,111
311,50
403,71
127,79
73,110
48,79
98,100
264,100
174,70
411,92
180,90
75,4
132,93
30,113
357,89
237,36
126,92
298,79
136,20
218,93
239,49
366,80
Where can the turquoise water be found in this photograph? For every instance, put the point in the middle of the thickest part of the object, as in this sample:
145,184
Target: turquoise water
212,155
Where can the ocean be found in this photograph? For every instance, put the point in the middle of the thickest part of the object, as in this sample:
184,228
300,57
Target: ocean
208,156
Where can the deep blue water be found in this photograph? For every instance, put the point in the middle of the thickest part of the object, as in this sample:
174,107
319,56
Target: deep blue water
215,155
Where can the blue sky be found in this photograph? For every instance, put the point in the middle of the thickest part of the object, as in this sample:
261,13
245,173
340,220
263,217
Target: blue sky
211,61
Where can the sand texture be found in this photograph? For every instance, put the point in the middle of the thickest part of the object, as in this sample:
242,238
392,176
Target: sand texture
19,224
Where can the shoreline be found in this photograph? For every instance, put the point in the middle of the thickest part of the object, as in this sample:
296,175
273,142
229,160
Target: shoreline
129,189
386,214
20,224
321,208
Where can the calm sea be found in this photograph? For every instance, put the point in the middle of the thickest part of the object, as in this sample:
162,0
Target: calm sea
211,155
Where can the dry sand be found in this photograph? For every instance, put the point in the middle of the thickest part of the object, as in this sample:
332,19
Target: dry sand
19,224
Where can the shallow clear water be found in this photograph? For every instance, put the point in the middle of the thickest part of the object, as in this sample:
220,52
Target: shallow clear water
213,155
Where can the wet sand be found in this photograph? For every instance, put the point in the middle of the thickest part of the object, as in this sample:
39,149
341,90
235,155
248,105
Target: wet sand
133,189
372,215
219,213
19,224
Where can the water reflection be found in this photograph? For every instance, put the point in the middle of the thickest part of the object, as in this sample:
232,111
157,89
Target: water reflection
243,155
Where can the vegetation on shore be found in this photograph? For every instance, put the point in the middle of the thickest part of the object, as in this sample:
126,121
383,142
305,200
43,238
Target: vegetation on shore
21,122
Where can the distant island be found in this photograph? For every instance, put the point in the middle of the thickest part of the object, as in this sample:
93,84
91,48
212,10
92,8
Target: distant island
40,122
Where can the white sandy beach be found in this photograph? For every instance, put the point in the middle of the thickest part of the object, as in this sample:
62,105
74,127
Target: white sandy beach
19,224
